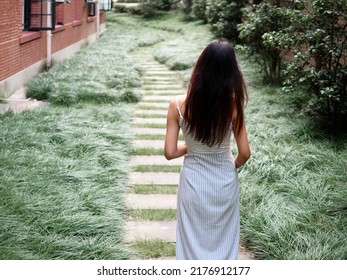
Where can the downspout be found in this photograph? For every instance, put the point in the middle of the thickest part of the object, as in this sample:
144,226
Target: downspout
49,41
49,49
97,19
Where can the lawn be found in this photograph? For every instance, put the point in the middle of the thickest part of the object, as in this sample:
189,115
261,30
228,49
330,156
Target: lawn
63,168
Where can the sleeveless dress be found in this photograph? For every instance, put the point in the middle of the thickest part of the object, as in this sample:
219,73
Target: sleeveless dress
208,219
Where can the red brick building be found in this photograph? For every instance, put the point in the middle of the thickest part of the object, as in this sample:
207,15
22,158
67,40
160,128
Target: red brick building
35,34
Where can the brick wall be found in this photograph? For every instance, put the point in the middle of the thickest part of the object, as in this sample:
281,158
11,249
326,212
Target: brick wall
20,49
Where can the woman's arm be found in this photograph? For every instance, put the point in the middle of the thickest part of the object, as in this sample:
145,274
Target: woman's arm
243,150
172,148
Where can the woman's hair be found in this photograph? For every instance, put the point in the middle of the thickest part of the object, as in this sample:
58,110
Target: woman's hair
216,88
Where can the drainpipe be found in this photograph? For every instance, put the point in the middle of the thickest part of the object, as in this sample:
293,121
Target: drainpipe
49,41
49,49
97,19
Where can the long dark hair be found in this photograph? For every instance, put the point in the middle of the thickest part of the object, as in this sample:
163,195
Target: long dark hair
215,80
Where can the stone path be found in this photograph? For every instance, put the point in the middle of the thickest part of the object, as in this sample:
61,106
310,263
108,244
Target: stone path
160,85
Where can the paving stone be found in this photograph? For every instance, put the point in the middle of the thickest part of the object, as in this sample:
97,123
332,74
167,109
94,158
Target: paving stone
156,144
149,121
150,112
161,106
157,97
151,201
154,160
150,230
149,130
161,87
169,92
155,178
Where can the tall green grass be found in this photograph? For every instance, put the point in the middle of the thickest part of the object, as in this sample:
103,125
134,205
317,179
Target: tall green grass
64,169
63,173
293,189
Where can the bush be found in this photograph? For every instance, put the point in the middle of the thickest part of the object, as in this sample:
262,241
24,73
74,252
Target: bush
199,9
258,22
186,8
318,37
223,17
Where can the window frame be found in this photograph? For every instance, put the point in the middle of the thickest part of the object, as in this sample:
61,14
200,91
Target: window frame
27,15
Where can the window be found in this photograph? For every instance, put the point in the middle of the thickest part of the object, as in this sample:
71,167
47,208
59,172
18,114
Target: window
105,5
38,15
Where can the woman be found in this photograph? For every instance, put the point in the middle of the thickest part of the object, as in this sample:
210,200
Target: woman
208,224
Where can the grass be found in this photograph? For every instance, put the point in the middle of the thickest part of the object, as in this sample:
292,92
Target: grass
64,168
152,214
63,172
147,151
290,186
155,189
154,248
157,168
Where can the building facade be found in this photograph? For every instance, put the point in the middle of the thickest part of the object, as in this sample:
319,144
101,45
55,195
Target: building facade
36,34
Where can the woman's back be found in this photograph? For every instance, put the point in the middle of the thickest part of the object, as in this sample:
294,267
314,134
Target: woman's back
197,147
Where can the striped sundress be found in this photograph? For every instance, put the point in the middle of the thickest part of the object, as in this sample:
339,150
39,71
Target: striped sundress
208,220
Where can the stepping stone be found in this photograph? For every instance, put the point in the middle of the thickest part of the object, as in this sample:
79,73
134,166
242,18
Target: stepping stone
151,201
151,112
154,160
164,92
160,79
155,178
157,97
161,87
150,230
161,106
149,121
156,144
149,130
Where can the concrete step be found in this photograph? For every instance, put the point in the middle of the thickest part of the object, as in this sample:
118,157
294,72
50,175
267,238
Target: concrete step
150,112
150,230
149,121
149,130
157,97
154,160
156,144
151,201
155,178
168,92
161,106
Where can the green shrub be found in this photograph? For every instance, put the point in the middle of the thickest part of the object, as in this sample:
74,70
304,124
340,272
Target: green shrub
223,17
258,22
199,10
318,38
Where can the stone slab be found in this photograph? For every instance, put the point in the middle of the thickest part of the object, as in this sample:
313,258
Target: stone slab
151,201
156,144
149,130
155,178
157,97
149,121
150,112
150,230
154,160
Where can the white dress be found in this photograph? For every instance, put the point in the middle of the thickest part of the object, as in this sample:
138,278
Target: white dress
208,219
